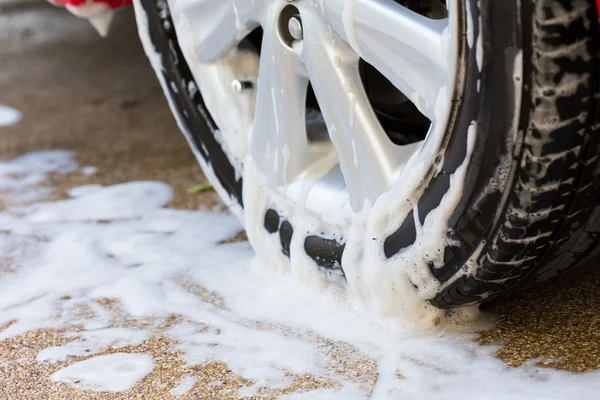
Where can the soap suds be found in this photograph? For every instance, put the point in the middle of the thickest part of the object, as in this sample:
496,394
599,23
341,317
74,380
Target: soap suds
89,170
187,382
9,116
380,222
113,372
92,342
470,23
412,361
263,323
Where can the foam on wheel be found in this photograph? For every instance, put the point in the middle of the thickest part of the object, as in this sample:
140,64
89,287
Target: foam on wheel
518,156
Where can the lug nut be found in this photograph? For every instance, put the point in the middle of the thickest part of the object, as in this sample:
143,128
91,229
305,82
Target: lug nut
238,86
295,27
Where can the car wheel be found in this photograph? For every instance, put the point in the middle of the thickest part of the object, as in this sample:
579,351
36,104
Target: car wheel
445,150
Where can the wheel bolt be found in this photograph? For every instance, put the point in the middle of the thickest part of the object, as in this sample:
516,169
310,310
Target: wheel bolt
238,86
295,27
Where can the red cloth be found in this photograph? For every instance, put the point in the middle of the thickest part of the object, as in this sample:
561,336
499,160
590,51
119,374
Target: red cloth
110,3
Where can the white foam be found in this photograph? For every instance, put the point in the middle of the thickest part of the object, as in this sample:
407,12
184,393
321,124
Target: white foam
434,363
112,372
21,178
31,169
324,394
186,383
127,200
92,342
9,116
89,170
84,190
470,24
264,322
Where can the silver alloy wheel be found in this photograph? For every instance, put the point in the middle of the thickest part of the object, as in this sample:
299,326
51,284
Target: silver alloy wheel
259,102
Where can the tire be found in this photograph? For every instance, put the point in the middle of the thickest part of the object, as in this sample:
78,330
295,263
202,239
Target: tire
518,158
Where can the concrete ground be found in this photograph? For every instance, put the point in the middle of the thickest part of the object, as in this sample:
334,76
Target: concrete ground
97,97
100,98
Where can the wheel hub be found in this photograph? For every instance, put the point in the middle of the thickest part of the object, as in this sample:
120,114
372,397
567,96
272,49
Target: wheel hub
295,27
257,94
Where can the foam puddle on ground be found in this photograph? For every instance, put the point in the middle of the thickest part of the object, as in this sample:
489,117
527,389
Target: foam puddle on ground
119,243
112,372
9,116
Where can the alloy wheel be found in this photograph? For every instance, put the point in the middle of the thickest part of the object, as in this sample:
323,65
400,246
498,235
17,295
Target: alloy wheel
337,154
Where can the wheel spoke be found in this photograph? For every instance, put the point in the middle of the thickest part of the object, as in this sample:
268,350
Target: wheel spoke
367,157
208,29
279,140
407,48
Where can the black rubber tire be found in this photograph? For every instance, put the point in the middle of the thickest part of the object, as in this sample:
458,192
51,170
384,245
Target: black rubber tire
529,210
549,220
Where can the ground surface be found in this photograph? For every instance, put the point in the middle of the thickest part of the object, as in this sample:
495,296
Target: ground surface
99,99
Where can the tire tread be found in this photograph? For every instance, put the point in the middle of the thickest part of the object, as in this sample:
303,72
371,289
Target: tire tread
544,232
